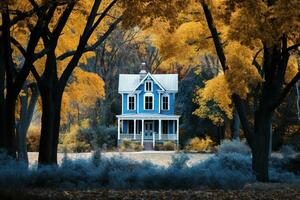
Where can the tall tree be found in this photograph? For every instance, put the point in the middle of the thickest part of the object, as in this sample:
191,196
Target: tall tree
253,41
15,77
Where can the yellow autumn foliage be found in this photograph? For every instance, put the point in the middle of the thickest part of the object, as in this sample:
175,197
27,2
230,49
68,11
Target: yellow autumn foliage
83,92
200,145
292,69
215,90
242,76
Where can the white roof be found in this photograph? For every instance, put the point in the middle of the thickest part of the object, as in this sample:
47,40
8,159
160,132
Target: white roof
147,116
128,82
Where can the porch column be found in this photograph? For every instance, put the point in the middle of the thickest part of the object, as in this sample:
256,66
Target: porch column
159,129
177,133
173,122
153,142
134,129
142,142
118,129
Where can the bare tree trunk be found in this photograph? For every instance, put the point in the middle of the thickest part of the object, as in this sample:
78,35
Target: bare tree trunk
46,140
298,100
56,125
236,123
260,152
3,137
11,122
28,104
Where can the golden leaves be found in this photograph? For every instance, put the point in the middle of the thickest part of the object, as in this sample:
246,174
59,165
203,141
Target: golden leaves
82,93
242,76
255,20
215,91
292,69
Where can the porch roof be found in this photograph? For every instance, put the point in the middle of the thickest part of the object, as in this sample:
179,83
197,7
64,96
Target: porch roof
147,116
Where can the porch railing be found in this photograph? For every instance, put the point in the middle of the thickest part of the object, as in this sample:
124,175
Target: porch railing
168,136
139,136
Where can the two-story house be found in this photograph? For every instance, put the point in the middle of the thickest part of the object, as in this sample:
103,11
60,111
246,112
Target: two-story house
148,108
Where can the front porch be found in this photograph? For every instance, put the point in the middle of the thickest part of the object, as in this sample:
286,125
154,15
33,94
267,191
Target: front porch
148,129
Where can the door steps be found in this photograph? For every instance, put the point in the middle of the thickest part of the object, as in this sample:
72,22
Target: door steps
148,146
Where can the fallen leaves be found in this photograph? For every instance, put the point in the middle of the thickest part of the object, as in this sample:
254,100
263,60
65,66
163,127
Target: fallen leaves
257,191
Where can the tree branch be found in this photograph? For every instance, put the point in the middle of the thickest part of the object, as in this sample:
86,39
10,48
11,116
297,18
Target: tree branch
286,90
33,41
95,45
83,41
215,35
103,14
24,53
19,46
293,47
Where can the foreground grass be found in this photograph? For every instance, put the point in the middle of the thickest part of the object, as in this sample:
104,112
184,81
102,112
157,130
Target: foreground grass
252,191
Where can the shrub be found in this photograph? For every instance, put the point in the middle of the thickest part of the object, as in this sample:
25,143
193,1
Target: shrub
166,146
179,160
101,136
128,145
234,146
287,151
169,146
200,145
158,147
227,170
33,138
73,141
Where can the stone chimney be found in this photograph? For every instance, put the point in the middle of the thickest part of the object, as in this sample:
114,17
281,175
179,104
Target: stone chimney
143,72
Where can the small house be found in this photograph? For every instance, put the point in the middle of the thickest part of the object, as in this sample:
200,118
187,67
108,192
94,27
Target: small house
148,109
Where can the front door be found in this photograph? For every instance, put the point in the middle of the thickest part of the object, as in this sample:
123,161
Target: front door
148,129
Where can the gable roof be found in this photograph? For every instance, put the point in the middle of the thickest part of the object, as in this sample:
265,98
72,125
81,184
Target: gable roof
130,82
146,77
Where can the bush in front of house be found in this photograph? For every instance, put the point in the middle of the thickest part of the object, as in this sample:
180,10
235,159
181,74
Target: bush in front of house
200,145
166,146
128,145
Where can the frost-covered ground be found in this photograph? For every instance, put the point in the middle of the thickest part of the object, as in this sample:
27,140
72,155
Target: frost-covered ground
162,158
229,168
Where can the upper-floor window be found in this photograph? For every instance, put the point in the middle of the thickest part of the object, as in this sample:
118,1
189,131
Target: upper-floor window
165,102
148,86
131,102
149,102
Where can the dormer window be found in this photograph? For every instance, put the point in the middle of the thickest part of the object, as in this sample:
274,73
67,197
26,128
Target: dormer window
149,102
165,102
131,102
148,86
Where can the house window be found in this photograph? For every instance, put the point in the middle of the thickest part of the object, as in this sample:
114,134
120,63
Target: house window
131,102
165,127
149,102
130,126
165,102
148,86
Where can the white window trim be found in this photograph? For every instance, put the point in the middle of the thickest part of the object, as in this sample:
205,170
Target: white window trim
134,104
148,81
148,95
162,101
